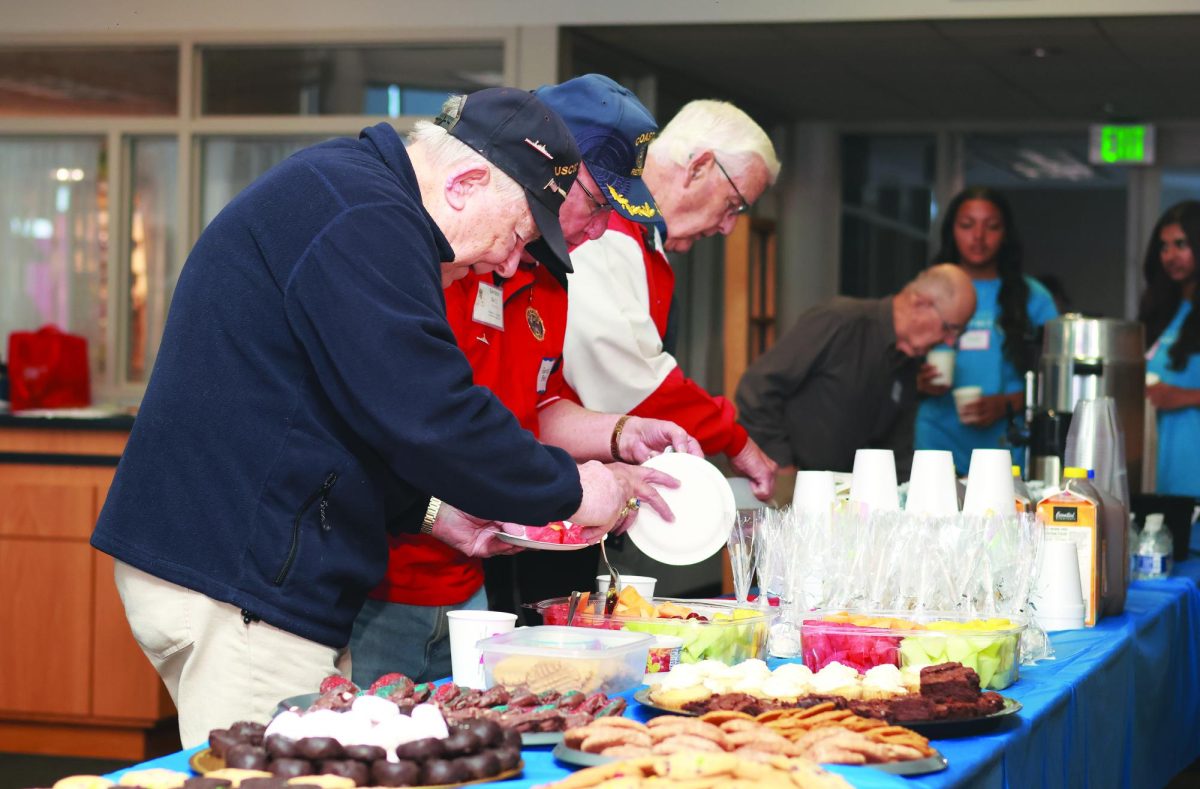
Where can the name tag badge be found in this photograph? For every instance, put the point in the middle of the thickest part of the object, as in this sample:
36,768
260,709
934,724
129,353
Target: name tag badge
975,340
489,306
544,374
897,390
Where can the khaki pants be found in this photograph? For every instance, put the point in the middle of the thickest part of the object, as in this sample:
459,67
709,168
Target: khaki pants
217,668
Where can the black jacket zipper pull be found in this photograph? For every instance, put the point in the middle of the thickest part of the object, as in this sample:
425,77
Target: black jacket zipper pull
325,488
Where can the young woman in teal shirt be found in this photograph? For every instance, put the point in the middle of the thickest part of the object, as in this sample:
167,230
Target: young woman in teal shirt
994,351
1169,312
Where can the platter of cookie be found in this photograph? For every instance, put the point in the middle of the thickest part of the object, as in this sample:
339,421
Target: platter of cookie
820,734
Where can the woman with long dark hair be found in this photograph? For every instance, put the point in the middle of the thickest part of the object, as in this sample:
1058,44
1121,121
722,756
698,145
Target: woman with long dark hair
994,349
1169,312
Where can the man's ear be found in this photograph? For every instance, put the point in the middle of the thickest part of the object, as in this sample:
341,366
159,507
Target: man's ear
698,167
465,180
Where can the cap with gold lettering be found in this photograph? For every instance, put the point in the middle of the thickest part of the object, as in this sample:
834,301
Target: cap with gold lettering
613,130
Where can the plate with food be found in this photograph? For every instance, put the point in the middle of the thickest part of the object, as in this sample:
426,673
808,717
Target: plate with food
926,766
206,763
644,698
558,536
891,749
948,728
703,506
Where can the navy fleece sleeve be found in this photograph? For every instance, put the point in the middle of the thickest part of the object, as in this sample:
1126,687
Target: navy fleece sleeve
365,300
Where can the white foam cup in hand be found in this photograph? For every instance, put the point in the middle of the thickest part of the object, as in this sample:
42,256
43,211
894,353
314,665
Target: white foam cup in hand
964,396
931,486
467,628
1058,594
874,480
942,360
814,491
990,484
643,583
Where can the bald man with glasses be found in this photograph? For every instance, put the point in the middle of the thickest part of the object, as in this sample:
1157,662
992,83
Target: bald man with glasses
844,376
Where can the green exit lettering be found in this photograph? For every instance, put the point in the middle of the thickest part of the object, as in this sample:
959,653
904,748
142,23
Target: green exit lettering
1123,144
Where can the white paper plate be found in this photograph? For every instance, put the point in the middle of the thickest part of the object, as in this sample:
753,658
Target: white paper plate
538,545
703,506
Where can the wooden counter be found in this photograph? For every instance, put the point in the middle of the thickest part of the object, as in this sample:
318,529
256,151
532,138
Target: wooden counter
72,679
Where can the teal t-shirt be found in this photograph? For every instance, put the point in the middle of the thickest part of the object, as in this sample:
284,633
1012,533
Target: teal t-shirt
979,361
1178,430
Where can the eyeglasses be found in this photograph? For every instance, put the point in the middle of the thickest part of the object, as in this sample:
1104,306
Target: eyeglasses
947,327
597,206
745,204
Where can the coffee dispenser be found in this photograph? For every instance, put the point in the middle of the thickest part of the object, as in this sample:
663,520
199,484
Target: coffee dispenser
1084,359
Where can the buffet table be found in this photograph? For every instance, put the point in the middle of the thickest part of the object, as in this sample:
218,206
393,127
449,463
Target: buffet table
1119,706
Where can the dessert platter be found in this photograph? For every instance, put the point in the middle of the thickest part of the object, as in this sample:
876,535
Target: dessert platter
371,743
820,734
943,700
540,718
700,769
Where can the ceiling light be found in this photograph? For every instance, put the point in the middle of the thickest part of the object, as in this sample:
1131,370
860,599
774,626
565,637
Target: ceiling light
1041,53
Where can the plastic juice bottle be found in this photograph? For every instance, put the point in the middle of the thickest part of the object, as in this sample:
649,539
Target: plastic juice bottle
1114,549
1154,548
1024,502
1073,513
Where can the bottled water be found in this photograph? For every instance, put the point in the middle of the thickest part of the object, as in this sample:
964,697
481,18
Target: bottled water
1153,559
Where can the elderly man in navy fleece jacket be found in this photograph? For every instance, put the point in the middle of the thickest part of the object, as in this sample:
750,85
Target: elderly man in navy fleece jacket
308,388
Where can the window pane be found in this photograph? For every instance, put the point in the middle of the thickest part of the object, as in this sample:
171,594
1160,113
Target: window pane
153,264
412,79
887,195
91,81
54,239
230,164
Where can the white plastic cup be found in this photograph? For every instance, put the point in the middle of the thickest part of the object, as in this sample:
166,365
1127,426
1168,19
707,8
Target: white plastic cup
1058,592
932,488
963,397
874,480
990,484
468,628
814,492
643,583
943,361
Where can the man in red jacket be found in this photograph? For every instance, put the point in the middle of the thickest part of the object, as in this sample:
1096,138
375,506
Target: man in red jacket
709,164
511,329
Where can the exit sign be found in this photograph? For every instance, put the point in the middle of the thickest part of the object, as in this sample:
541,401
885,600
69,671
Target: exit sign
1124,143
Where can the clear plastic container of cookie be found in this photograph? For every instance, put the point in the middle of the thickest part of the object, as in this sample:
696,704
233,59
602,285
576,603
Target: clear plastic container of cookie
566,658
865,639
710,629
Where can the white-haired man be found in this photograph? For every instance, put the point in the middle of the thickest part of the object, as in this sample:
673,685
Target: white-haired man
308,389
707,166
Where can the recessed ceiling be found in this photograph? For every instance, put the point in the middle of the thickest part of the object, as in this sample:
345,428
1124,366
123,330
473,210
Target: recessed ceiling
1144,68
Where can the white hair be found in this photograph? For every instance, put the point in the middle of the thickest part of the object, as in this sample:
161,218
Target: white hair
720,127
444,151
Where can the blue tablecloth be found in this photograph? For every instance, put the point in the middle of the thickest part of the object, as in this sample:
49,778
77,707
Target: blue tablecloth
1119,706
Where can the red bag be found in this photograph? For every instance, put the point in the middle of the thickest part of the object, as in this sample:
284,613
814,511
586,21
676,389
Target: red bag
48,368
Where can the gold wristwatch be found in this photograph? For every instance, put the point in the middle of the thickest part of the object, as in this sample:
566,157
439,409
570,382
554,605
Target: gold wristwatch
431,513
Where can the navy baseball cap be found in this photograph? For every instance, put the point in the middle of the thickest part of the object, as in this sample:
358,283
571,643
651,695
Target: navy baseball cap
515,131
613,130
